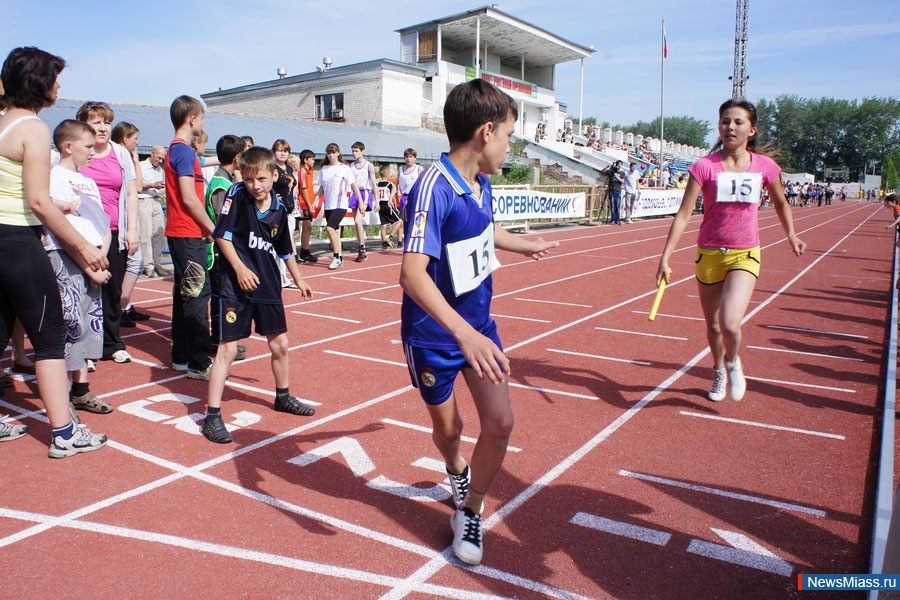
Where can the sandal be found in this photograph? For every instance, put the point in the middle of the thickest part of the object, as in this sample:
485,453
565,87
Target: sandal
91,403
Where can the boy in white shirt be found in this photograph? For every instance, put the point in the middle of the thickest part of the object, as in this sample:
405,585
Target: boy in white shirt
79,198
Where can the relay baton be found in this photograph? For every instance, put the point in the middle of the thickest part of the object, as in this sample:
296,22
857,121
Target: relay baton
657,299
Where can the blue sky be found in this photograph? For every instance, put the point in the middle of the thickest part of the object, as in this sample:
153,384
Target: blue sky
138,52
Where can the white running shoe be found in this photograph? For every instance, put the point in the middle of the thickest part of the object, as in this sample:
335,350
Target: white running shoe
121,356
82,441
737,384
720,380
337,263
91,367
467,534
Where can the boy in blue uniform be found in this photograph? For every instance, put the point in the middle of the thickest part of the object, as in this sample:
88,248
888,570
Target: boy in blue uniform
446,278
253,234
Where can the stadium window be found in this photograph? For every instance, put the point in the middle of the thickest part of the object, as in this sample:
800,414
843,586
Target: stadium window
330,107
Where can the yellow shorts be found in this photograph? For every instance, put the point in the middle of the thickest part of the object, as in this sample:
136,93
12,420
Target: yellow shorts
714,264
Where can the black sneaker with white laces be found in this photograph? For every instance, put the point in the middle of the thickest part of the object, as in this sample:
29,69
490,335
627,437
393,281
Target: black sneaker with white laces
290,404
467,534
459,486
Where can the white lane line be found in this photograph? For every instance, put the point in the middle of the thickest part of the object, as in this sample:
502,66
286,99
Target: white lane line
807,385
321,316
358,280
145,332
741,551
152,291
869,278
148,363
554,302
381,300
656,335
803,329
265,392
520,318
806,353
423,429
717,492
549,391
369,358
634,532
763,425
623,360
647,312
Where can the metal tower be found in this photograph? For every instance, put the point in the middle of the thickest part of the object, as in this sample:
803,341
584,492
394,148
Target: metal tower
741,30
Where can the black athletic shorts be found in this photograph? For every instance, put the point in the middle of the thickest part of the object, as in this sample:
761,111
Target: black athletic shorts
388,214
28,291
334,217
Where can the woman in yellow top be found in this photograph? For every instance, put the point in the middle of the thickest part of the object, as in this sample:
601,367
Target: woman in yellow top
28,289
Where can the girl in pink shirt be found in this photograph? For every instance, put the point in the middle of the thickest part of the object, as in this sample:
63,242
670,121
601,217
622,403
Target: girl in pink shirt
732,179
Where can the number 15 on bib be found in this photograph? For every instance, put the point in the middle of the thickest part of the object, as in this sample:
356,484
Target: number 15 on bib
472,260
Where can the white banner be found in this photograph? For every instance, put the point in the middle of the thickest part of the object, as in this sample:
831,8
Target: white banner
652,202
520,204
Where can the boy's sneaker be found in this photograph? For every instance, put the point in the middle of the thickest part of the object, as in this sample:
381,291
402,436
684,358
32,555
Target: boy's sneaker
126,321
120,356
720,380
290,404
466,526
91,366
9,432
361,255
214,430
180,367
459,486
136,315
385,245
737,384
308,256
392,242
336,263
81,441
198,374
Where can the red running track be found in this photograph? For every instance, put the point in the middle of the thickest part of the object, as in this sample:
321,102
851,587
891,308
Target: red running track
622,480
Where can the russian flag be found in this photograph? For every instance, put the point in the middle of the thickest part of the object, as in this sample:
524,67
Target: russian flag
665,44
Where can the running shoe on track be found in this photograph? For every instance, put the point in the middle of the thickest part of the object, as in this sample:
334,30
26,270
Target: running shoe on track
459,486
466,526
290,404
214,430
737,384
82,441
720,380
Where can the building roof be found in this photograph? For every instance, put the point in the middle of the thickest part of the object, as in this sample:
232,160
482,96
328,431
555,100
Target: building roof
508,37
341,71
382,145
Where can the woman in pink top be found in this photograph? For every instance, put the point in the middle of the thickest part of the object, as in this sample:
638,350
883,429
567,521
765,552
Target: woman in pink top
731,178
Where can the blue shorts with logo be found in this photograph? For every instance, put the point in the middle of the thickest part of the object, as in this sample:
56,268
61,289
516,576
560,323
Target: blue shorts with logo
433,371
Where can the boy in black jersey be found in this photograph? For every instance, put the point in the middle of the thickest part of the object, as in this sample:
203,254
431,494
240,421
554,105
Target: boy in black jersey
387,210
253,235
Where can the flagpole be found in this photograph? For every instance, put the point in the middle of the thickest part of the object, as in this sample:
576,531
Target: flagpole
662,88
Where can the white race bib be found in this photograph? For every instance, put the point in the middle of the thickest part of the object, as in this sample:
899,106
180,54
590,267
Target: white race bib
738,187
472,260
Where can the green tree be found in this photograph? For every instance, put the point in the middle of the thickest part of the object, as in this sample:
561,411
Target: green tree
812,134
